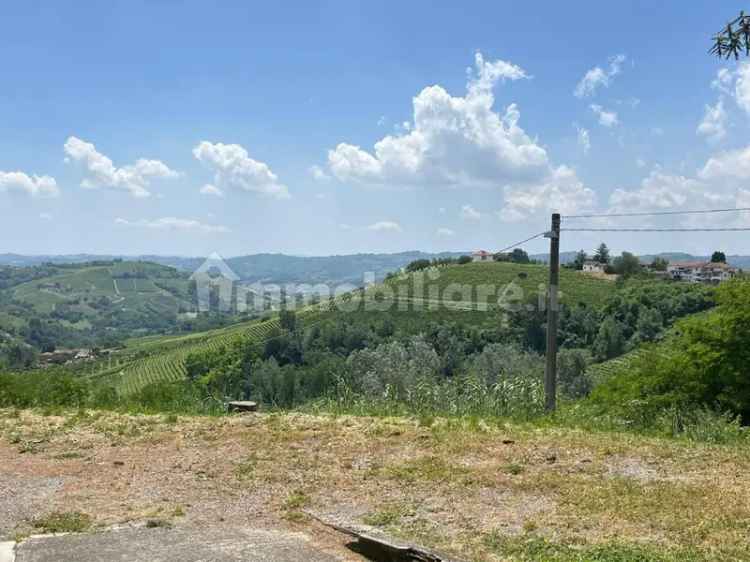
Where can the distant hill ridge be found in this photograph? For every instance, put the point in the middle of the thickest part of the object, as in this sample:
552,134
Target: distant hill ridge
282,268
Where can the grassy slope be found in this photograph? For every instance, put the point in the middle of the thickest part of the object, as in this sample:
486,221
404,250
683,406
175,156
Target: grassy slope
86,284
480,491
157,359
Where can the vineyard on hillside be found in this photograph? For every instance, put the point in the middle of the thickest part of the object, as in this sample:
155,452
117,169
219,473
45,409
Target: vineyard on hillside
163,359
158,359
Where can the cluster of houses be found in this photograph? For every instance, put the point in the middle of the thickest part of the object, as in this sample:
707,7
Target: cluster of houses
690,271
701,271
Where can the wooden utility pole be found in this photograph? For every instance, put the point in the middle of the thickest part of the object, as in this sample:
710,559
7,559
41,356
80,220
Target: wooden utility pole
553,311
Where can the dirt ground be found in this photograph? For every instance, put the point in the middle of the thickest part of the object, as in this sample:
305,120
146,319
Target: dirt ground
477,491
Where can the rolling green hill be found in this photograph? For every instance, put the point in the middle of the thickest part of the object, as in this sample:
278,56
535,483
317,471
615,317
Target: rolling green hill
90,304
152,359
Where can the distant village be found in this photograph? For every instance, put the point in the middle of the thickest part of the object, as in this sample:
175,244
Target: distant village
713,271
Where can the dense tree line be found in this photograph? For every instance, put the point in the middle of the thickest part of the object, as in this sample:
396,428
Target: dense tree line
370,357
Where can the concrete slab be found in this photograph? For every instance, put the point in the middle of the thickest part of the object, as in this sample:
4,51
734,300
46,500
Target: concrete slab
7,552
173,545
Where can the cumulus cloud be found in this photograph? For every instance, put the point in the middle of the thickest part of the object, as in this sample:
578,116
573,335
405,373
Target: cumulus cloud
597,77
385,226
721,182
732,164
742,87
134,178
234,168
606,118
174,224
454,141
445,232
714,123
584,140
211,189
469,213
35,186
562,192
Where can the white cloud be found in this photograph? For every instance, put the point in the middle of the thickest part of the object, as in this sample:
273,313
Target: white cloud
457,142
134,178
385,226
721,183
640,162
469,213
210,189
584,140
606,118
35,186
562,192
234,168
723,81
732,164
445,232
174,224
742,87
453,141
713,125
597,77
318,173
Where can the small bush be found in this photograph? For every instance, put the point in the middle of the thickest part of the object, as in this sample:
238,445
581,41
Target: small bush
67,522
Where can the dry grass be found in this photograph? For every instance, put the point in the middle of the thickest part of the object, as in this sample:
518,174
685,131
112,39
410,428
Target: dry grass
479,491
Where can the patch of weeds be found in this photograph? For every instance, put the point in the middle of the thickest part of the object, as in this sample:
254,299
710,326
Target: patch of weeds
69,455
63,522
28,447
530,547
296,500
171,418
388,516
179,511
430,468
158,524
426,420
245,470
514,468
529,526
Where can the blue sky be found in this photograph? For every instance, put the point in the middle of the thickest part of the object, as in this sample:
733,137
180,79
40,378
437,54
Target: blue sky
114,116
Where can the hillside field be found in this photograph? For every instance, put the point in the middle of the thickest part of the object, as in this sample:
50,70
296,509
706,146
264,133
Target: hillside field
155,359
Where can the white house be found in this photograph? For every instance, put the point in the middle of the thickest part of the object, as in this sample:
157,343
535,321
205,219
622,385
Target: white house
591,266
481,255
701,272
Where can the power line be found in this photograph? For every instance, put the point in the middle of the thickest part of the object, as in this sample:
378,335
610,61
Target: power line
521,242
656,213
739,229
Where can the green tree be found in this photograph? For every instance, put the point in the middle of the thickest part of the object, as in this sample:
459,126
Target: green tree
627,264
519,256
602,254
610,341
718,257
659,264
734,39
581,258
571,372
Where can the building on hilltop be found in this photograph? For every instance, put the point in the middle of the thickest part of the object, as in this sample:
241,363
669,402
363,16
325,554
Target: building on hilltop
701,272
481,255
591,266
